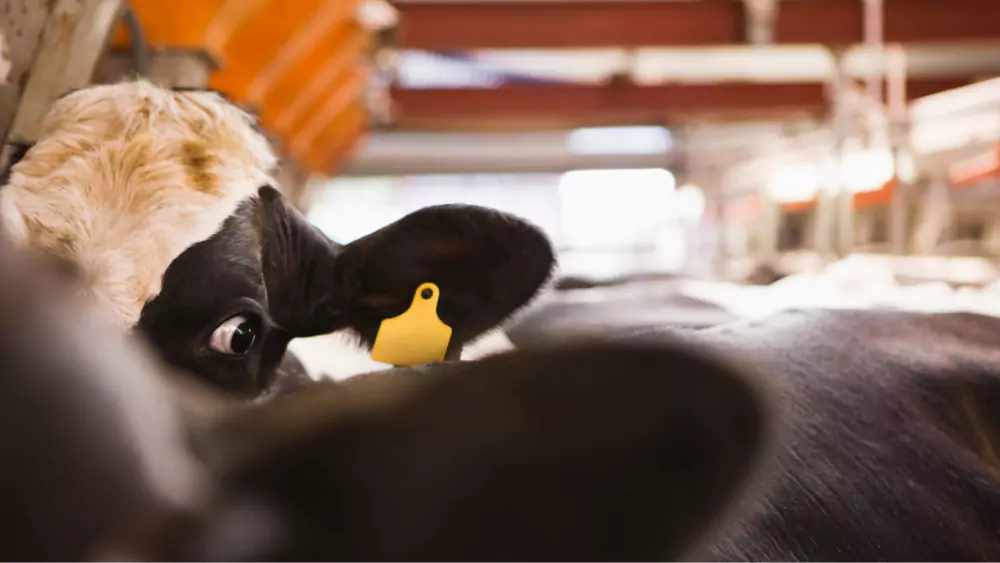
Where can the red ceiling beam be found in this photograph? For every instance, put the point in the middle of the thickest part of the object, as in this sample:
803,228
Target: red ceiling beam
440,26
583,104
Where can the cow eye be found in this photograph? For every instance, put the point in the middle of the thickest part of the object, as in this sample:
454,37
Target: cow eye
234,337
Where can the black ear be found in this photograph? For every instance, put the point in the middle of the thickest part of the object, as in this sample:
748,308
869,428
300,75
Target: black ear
604,453
487,264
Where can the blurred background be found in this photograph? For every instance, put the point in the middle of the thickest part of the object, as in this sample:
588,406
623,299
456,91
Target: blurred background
726,141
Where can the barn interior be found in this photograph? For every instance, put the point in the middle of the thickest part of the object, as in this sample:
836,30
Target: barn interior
757,154
694,163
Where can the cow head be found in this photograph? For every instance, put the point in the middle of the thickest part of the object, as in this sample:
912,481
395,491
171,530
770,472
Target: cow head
163,202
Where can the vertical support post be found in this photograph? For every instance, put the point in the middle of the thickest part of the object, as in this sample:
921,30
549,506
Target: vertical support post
760,18
22,24
74,36
899,140
935,216
8,97
841,199
874,15
824,218
770,227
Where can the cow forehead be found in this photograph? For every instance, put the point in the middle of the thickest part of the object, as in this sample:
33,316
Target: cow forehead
125,177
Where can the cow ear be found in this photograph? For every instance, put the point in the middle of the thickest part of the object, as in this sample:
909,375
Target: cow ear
606,453
487,264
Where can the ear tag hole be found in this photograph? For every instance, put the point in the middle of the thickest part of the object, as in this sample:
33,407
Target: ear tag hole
417,336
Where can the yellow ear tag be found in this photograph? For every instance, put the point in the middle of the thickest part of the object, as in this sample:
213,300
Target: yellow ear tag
417,336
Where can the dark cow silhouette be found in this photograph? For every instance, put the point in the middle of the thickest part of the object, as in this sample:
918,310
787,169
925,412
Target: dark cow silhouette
611,452
883,445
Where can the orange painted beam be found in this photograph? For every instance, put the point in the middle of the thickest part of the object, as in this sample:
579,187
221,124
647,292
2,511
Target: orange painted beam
337,156
331,15
250,49
231,17
879,197
345,90
171,23
343,99
315,74
331,137
797,206
971,171
860,200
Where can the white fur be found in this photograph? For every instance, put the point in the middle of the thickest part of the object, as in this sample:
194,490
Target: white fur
125,177
337,356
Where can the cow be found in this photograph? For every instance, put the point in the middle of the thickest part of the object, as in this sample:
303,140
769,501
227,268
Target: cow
612,452
883,424
851,434
162,204
883,440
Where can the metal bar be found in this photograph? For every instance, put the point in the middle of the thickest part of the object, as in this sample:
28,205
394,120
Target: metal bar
873,32
899,141
573,104
842,213
450,26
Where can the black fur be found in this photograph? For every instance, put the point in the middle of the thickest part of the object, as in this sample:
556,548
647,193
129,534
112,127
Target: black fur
71,476
602,454
568,315
887,437
268,264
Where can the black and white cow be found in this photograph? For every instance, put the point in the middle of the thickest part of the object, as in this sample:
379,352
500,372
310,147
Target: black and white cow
162,203
886,425
883,432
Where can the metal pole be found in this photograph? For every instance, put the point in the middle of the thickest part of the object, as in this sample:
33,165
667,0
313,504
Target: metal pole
840,211
899,140
873,33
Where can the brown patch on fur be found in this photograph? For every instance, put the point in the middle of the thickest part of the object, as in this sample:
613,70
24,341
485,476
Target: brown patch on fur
199,164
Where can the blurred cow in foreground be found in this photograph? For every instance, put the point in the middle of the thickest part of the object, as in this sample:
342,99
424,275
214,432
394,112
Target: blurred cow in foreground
610,452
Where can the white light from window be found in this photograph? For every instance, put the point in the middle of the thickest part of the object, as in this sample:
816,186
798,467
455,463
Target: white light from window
868,170
794,183
689,202
619,140
614,208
